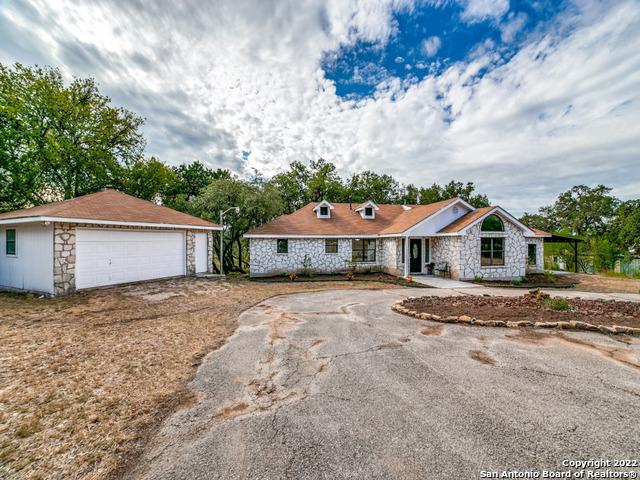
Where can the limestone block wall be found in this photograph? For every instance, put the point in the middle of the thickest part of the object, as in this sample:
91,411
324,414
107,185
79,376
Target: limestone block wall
210,252
539,243
391,256
191,252
265,261
447,249
515,254
64,258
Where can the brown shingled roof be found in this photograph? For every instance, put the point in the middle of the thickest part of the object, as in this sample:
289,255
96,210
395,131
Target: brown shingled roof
466,220
537,231
389,219
110,205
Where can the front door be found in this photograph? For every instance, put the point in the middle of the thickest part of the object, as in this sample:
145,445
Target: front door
415,255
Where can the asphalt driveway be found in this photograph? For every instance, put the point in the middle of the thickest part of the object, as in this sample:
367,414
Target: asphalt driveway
336,385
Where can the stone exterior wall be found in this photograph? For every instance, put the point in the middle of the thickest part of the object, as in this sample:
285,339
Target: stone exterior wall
265,261
191,252
64,252
539,266
447,249
210,252
515,254
64,258
391,256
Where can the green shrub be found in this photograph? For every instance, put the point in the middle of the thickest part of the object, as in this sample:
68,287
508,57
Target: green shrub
559,304
516,282
550,277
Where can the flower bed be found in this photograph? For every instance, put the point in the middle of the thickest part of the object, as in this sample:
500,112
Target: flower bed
535,309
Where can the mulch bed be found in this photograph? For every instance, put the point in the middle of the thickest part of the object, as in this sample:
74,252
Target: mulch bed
529,307
533,280
357,277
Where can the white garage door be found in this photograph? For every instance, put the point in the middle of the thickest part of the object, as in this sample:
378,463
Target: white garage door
109,257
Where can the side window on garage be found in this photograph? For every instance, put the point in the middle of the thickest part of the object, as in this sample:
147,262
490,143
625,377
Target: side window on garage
282,245
10,238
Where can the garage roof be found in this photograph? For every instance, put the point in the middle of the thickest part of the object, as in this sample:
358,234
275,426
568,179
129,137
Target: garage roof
109,207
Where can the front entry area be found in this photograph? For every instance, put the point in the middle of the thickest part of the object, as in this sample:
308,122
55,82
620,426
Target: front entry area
415,255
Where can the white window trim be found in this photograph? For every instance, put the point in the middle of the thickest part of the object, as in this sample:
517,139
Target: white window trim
15,242
282,253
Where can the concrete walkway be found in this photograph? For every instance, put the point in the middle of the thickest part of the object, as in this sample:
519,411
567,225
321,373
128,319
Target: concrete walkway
441,282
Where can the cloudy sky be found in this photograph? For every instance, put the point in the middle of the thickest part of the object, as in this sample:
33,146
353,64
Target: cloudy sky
525,99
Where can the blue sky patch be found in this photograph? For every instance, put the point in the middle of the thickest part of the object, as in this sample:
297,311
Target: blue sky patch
431,38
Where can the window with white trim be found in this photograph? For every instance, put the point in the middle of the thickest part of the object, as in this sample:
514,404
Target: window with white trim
491,251
282,245
331,245
10,241
363,250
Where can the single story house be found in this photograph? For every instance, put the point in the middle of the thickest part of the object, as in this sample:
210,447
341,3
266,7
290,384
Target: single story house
104,238
450,235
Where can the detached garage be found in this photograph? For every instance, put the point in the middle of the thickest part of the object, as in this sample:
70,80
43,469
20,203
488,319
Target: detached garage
105,238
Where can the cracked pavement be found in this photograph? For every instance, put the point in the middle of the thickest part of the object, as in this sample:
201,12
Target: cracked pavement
336,385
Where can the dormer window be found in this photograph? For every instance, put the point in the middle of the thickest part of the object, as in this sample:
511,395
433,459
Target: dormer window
323,209
368,210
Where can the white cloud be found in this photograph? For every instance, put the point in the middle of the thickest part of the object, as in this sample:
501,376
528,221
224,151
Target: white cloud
430,46
513,24
478,10
399,60
216,80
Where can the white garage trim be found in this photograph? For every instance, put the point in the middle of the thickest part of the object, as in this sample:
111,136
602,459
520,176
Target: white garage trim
113,256
103,222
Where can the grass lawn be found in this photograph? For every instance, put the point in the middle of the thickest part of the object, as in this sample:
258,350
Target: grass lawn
85,379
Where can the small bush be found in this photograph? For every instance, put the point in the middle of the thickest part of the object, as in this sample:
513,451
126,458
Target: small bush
478,278
349,276
293,276
550,277
516,282
409,278
559,304
524,279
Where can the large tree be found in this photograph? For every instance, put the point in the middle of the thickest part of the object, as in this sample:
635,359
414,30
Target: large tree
370,185
59,141
466,191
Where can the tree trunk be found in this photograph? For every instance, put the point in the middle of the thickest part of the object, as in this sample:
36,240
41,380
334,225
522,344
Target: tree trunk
240,266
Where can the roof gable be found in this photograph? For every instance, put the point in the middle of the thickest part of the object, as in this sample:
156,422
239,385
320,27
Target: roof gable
390,219
476,216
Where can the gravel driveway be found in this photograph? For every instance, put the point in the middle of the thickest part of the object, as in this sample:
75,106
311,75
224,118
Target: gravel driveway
336,385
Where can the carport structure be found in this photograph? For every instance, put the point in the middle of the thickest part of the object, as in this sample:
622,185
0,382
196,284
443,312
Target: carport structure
104,238
571,240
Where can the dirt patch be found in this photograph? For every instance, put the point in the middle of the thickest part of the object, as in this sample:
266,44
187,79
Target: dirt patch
482,357
604,284
530,308
534,280
432,330
86,379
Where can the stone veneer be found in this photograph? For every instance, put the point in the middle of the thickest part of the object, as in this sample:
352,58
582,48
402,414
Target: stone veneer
64,252
539,266
64,258
461,252
265,261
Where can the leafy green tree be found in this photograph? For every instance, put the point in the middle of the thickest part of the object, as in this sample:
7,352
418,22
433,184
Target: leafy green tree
437,193
293,186
258,204
324,182
582,210
541,221
625,226
60,141
369,185
148,179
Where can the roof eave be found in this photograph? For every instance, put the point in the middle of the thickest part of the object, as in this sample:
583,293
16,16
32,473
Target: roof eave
44,218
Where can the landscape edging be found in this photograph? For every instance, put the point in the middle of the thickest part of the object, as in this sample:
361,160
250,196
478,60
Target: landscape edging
466,319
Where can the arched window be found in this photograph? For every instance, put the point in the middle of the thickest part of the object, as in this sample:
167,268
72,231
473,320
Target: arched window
492,224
